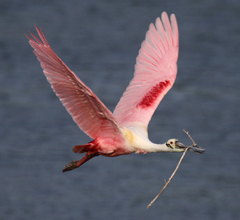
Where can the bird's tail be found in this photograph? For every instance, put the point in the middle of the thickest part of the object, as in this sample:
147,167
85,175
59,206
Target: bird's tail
82,148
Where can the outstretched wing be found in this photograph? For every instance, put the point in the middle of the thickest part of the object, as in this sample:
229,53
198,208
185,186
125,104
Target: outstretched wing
155,73
90,114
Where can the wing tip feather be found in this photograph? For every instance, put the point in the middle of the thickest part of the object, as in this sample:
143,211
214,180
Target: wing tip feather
35,39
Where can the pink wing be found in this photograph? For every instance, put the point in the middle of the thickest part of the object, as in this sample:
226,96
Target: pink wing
155,73
90,114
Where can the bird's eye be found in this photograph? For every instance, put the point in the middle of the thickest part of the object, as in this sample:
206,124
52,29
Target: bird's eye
171,142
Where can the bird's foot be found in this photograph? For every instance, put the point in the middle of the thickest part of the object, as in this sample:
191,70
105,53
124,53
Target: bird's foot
72,165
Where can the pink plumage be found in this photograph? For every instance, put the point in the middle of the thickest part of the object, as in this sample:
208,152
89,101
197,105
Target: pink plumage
124,131
155,73
90,114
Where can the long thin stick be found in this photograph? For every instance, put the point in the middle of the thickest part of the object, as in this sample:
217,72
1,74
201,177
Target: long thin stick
187,133
169,180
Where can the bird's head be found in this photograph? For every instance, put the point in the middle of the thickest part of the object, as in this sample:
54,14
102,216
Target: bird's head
176,146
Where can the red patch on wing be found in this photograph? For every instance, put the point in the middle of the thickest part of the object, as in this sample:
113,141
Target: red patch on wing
153,94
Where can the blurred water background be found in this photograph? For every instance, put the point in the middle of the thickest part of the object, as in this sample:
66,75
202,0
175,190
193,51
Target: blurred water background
99,41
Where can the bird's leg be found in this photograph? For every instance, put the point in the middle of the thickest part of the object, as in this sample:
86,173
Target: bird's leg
77,163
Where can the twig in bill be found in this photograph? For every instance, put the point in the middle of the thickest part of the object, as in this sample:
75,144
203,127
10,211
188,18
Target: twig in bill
187,133
169,180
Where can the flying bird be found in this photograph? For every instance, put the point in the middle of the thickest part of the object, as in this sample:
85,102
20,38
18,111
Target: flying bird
125,130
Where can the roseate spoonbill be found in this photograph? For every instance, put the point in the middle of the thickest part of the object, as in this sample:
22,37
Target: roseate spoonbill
125,130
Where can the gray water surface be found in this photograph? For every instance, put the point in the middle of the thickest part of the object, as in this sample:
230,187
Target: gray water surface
99,41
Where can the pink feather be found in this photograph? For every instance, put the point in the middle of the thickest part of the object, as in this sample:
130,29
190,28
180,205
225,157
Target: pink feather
155,73
90,114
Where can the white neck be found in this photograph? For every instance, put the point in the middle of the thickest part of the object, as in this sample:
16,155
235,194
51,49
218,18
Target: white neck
154,148
138,139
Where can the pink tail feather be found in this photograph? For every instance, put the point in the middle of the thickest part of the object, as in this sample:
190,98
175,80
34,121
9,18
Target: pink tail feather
82,148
